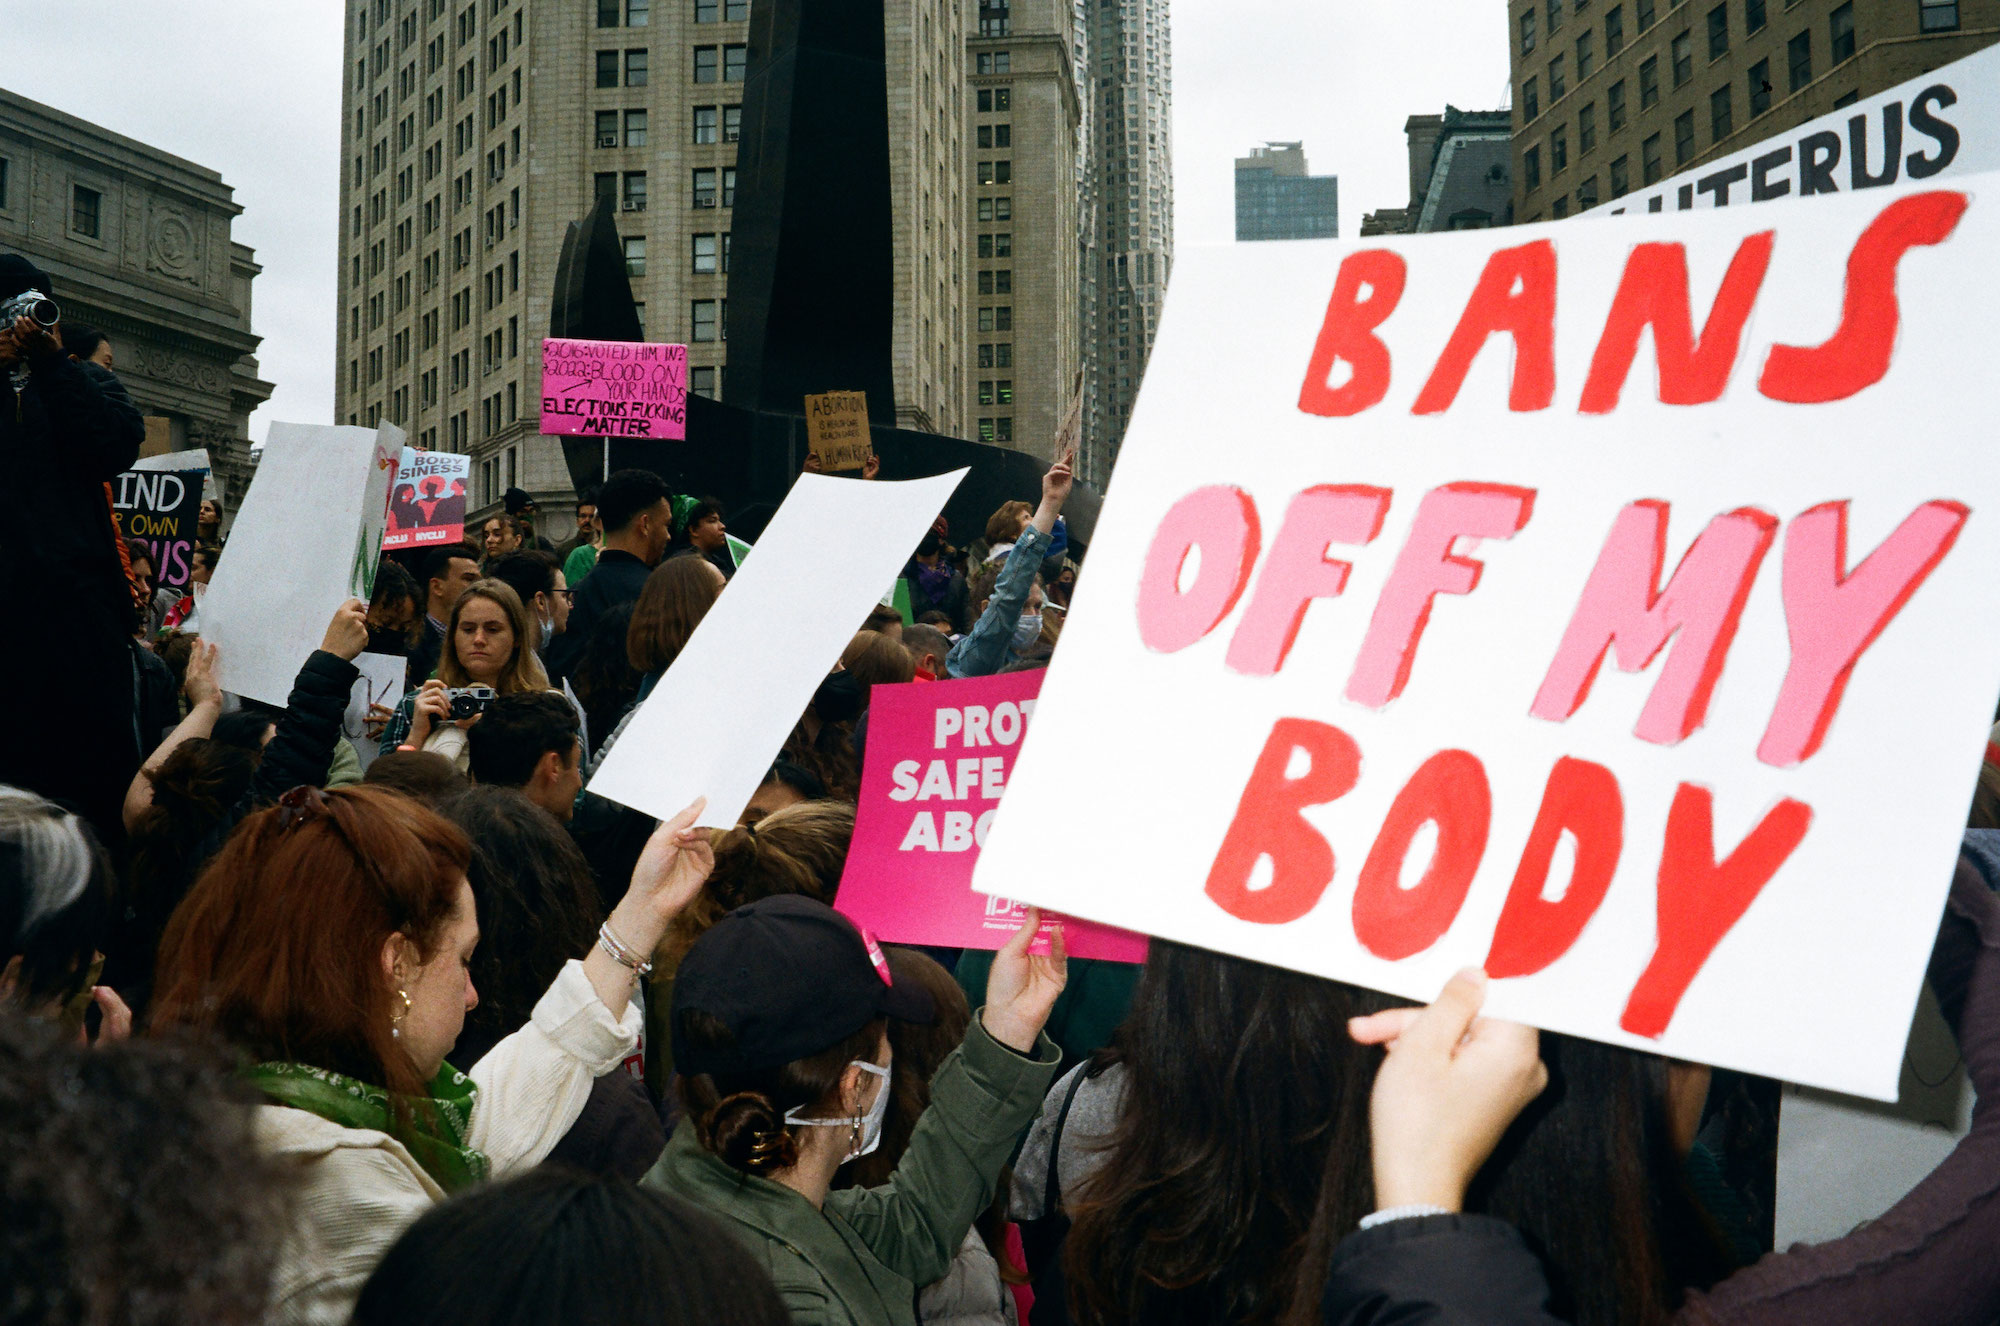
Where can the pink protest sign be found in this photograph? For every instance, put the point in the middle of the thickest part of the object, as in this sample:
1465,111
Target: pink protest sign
939,754
614,389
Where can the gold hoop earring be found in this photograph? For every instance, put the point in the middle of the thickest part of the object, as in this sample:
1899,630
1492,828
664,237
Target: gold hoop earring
396,1019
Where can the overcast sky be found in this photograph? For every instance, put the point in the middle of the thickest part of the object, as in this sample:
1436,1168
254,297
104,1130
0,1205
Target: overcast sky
252,89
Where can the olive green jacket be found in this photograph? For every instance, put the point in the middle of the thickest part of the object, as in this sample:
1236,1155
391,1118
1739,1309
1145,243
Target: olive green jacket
861,1260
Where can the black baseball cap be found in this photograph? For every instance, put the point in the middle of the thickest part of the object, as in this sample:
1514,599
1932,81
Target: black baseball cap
789,977
516,500
18,274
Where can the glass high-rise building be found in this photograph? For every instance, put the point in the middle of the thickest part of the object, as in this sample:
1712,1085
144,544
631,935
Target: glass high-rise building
1277,199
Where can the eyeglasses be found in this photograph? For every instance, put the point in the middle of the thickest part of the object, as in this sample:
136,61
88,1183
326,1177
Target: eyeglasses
566,595
301,803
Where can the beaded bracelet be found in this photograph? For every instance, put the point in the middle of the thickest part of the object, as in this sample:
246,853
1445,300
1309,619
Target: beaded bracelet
621,952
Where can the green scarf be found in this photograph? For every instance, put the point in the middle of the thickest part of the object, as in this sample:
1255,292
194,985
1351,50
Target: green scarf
433,1130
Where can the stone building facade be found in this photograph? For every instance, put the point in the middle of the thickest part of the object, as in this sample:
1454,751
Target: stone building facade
476,130
1025,345
1461,175
1131,249
137,243
1612,95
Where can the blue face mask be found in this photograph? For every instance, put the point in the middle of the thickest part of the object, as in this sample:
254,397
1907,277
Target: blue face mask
1027,630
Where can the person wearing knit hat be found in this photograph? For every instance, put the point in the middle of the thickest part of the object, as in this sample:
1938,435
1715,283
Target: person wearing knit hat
66,429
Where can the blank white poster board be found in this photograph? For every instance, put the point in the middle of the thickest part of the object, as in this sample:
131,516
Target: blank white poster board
721,714
1607,606
307,539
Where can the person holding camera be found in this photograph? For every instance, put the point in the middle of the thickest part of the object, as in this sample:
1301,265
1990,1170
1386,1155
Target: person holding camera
489,651
66,429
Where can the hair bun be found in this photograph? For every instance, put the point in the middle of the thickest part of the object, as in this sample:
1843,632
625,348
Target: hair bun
749,1134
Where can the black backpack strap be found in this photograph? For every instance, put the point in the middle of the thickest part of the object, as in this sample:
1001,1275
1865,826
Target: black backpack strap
1051,1192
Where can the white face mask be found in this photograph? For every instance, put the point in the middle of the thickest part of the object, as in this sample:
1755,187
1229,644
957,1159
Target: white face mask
1027,630
869,1123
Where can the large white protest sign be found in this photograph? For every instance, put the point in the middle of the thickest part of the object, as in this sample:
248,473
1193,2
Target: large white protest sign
719,717
194,458
1453,604
1933,128
306,539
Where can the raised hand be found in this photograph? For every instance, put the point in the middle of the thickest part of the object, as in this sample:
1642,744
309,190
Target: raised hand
1060,479
199,684
674,865
1021,989
871,466
1451,1085
347,633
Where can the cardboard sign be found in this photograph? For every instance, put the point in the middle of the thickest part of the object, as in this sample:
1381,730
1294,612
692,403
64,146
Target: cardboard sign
938,758
161,507
1524,629
427,503
614,389
1933,128
837,429
721,714
307,538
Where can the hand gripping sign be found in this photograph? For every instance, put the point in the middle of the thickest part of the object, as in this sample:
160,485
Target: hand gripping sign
1607,606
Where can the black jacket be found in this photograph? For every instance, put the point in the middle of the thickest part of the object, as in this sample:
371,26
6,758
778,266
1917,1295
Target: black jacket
615,580
1452,1270
68,432
170,857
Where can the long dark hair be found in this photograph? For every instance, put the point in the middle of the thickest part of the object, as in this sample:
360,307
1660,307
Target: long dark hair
555,1246
1201,1204
537,909
1589,1174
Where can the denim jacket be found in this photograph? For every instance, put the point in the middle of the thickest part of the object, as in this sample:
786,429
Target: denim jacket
983,651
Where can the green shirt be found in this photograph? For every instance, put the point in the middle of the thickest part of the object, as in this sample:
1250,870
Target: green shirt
861,1259
578,564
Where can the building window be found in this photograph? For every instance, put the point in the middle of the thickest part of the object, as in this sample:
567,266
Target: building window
1938,15
1586,129
704,187
705,255
606,185
706,124
1718,32
1798,54
635,255
1003,392
1531,168
1586,194
701,381
1753,17
607,69
1847,98
1621,177
1560,207
1527,31
707,64
607,13
1840,32
1614,105
707,11
1614,31
735,63
986,391
636,63
1586,54
1760,88
993,62
732,123
1721,114
634,199
1557,83
638,13
729,186
1649,82
993,18
1531,100
1649,159
1683,53
1555,15
607,128
85,211
1558,150
1645,14
1683,138
706,322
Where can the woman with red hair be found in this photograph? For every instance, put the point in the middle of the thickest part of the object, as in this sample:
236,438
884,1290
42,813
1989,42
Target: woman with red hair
330,941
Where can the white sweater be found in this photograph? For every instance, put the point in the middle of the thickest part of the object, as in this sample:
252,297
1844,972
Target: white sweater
359,1189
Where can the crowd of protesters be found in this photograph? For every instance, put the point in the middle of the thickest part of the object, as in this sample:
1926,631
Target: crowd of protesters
448,1038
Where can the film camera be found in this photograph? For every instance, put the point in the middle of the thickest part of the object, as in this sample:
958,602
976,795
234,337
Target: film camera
470,701
32,304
